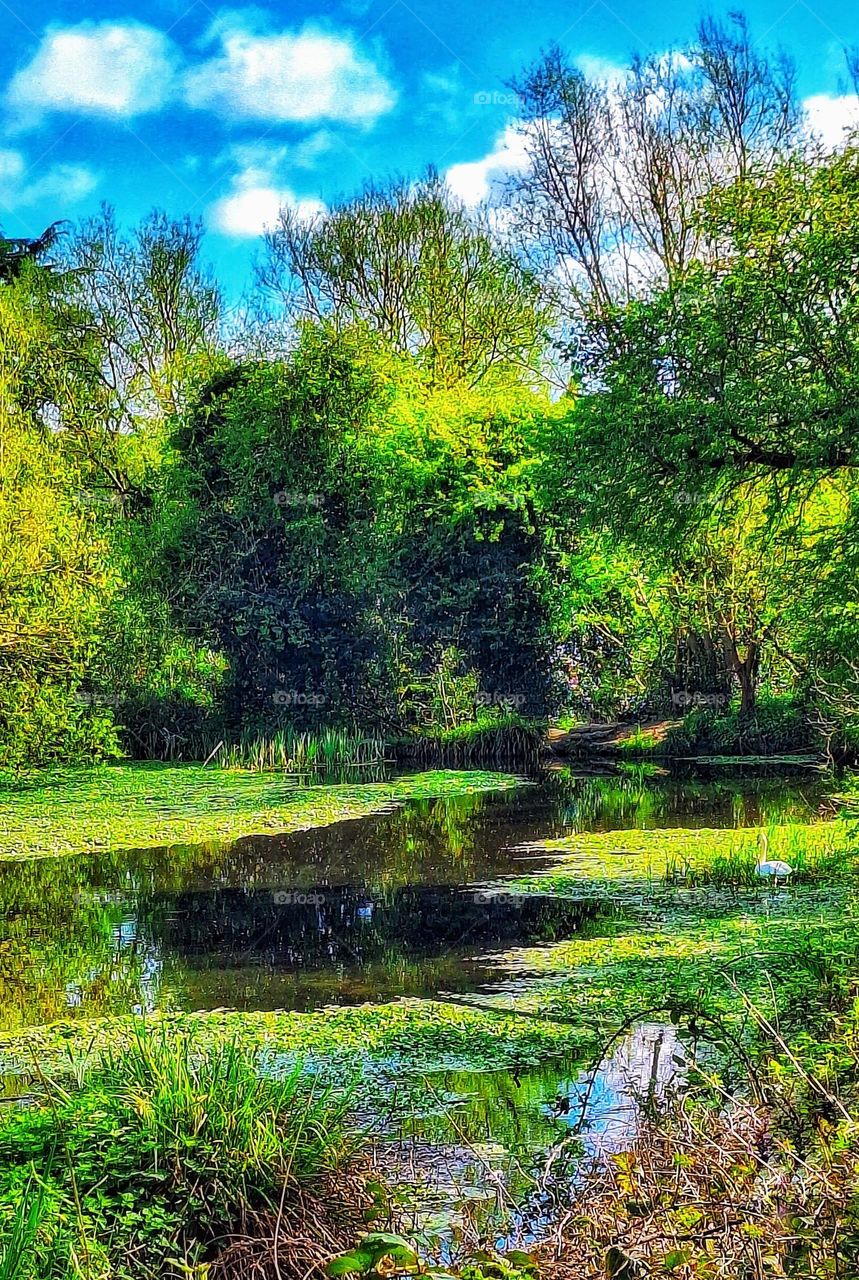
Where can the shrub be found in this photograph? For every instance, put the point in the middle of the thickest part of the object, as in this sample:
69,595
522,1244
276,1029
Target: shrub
159,1150
778,725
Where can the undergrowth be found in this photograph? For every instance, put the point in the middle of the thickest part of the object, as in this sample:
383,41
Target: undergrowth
139,1167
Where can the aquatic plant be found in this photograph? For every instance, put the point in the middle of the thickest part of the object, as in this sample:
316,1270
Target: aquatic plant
290,749
19,1235
152,805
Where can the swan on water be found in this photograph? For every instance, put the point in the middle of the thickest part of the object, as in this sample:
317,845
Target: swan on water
771,868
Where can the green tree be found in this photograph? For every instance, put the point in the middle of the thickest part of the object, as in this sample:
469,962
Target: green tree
417,268
342,523
55,571
745,368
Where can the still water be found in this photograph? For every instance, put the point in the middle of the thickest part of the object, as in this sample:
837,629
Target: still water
372,909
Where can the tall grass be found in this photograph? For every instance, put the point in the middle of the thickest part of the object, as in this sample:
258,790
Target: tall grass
155,1153
813,851
289,749
247,1128
509,739
301,751
18,1239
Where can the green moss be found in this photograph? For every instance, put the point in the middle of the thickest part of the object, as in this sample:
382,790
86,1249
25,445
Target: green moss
148,806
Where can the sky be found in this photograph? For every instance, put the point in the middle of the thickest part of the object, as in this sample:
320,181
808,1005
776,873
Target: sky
227,112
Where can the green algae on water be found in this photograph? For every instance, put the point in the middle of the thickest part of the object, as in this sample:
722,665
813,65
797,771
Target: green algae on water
47,813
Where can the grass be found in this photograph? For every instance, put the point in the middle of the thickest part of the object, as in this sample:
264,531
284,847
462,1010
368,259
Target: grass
294,750
148,806
157,1151
644,860
504,738
25,1222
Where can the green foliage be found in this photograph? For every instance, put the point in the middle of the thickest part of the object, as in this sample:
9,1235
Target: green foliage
394,529
205,1133
19,1237
411,264
355,542
776,727
55,571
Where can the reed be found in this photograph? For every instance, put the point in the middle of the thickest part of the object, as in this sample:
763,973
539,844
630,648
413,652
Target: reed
511,740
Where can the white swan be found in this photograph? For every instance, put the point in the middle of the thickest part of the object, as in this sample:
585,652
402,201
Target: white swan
773,868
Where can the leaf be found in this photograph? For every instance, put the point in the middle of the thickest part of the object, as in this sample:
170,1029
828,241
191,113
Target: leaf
384,1244
344,1264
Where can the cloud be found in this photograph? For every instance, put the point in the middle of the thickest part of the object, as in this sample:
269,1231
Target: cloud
473,181
118,69
257,190
602,70
289,76
252,210
829,116
257,161
65,183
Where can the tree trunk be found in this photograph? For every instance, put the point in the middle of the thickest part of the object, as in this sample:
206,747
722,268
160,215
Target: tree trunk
746,671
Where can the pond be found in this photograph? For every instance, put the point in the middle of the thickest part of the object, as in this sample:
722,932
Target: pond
417,901
365,910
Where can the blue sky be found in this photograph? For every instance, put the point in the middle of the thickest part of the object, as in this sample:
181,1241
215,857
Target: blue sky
225,112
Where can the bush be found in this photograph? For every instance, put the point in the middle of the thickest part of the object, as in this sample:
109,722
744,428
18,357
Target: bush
156,1153
52,724
777,726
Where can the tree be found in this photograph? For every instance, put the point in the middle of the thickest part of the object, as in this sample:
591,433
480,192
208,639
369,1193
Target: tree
153,307
606,205
414,266
344,529
56,577
14,253
746,367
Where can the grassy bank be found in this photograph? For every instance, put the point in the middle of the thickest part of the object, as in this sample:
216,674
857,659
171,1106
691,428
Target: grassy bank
155,1156
649,860
148,806
500,739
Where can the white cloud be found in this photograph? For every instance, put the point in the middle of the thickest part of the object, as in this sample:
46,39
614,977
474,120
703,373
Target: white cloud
300,76
63,183
829,116
603,70
256,162
257,191
252,210
473,181
119,69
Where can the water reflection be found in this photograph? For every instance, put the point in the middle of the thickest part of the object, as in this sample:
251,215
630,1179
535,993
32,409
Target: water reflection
491,1155
369,909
